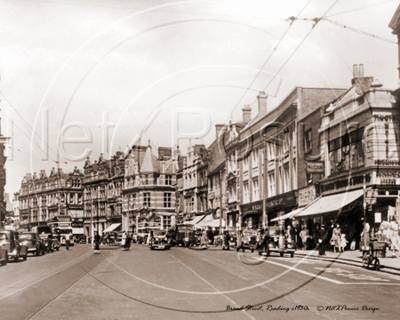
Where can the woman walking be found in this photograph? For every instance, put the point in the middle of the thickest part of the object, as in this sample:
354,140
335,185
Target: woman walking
128,242
336,235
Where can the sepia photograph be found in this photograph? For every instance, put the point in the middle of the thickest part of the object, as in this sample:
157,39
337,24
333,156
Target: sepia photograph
199,159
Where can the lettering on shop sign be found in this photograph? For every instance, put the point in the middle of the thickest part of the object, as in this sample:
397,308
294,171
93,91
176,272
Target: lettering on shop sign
388,178
307,195
385,117
386,162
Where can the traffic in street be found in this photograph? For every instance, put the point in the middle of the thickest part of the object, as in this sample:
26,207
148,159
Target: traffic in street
189,283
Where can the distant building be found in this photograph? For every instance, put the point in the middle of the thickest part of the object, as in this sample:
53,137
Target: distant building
43,197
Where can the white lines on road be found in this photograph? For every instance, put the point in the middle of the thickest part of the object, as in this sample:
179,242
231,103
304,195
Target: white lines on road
67,265
212,286
204,293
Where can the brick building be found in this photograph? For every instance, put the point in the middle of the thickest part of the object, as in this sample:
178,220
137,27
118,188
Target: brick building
43,197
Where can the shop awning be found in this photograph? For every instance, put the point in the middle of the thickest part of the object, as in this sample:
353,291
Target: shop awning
195,220
215,223
77,230
288,215
331,203
112,227
204,223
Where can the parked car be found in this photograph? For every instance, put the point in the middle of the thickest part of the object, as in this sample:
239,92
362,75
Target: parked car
34,243
249,240
54,243
3,256
9,240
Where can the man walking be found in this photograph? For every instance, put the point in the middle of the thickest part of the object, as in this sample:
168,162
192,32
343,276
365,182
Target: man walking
97,240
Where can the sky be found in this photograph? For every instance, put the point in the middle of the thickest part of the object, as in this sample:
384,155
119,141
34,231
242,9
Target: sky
84,77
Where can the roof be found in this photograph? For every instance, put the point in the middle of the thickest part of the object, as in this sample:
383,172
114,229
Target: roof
395,22
149,163
218,156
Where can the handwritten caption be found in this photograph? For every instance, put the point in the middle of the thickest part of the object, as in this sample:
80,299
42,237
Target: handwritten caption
301,308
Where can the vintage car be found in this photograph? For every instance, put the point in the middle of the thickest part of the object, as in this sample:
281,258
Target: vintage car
230,242
33,242
54,244
3,256
9,240
159,240
182,235
249,240
277,243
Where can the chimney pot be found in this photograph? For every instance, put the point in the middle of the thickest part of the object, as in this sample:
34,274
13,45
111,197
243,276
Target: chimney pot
355,70
262,102
361,70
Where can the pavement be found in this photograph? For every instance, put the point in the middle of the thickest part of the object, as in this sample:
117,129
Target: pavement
354,257
388,264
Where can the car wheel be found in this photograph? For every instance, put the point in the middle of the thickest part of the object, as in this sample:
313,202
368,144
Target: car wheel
252,250
37,252
16,259
58,248
243,249
292,255
237,249
6,259
26,256
151,248
281,254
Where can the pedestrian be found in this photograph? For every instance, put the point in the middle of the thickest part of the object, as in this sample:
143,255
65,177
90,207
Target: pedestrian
97,240
128,242
124,240
67,240
297,235
336,237
239,239
304,236
321,240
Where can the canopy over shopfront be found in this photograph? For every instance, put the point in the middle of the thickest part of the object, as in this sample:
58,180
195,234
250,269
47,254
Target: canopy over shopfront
195,220
112,227
331,203
288,215
215,223
204,223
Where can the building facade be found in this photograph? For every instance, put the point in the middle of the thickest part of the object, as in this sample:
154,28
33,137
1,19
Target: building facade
43,197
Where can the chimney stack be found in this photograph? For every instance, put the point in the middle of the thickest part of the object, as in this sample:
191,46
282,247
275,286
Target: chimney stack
360,82
262,102
246,113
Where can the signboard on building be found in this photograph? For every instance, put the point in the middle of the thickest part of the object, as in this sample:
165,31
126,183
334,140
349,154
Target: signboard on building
286,199
315,167
252,206
388,178
378,218
306,196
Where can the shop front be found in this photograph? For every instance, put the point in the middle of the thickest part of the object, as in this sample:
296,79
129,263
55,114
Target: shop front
252,215
280,205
